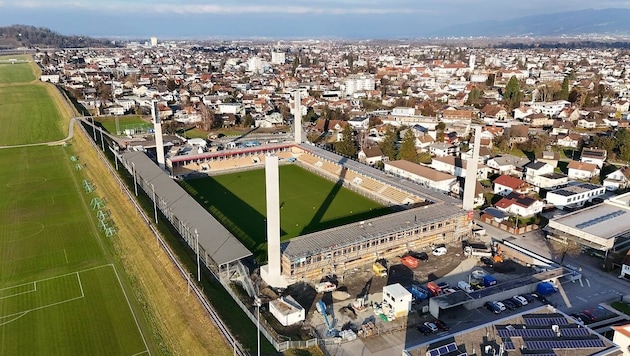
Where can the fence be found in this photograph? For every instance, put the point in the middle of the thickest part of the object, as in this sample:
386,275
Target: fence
223,329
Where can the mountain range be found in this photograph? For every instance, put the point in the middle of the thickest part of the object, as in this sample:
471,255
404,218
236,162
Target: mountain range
571,23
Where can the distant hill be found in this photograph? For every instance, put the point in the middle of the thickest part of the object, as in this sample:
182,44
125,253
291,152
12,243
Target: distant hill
29,36
607,21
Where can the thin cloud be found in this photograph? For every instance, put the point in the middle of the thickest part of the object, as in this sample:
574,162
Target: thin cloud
197,8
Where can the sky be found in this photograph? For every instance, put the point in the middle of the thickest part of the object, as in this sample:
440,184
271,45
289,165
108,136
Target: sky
204,19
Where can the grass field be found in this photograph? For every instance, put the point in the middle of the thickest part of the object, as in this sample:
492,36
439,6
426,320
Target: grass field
28,115
125,122
16,73
308,203
58,290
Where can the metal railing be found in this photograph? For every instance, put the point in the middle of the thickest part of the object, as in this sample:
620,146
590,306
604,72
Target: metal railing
223,329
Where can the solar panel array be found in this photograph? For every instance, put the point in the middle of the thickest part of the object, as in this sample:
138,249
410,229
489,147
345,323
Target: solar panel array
547,321
509,345
542,354
600,219
442,350
534,333
564,192
564,344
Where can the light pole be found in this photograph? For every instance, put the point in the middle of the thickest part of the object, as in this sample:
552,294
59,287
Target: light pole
135,183
198,264
257,304
154,203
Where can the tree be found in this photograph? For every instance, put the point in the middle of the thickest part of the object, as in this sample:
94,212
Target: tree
513,96
248,120
473,96
490,80
388,145
564,93
171,85
295,65
408,147
441,126
346,147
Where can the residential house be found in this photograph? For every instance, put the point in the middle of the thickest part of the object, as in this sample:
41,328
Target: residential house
268,121
520,205
422,175
518,134
561,127
496,112
549,157
593,155
538,120
535,169
571,140
522,112
582,170
586,123
457,166
549,181
371,155
508,164
618,179
505,185
574,195
442,149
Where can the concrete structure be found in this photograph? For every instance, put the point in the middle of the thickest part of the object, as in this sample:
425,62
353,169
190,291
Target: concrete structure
286,310
157,127
471,180
398,299
154,41
575,194
625,267
604,227
271,273
297,115
278,57
426,176
622,338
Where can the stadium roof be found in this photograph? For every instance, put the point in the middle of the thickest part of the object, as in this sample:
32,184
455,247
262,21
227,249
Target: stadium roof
335,238
173,200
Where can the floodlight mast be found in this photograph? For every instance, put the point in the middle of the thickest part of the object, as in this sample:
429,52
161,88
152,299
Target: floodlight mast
198,265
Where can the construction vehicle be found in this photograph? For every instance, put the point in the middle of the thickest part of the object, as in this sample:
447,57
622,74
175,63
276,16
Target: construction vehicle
379,269
321,308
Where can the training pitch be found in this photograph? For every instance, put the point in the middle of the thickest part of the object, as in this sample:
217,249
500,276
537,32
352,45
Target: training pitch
308,203
60,290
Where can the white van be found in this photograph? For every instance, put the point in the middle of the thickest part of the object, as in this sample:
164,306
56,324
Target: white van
464,286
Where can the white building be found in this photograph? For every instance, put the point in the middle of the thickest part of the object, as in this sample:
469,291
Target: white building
575,194
154,41
278,58
230,108
622,337
551,108
286,310
358,82
398,299
422,175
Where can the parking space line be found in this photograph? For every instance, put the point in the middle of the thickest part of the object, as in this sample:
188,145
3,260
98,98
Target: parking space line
564,296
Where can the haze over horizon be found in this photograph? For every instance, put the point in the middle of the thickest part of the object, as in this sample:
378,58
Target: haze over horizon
352,19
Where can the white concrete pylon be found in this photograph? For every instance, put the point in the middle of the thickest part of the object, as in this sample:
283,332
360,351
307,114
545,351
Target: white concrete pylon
297,117
470,183
157,128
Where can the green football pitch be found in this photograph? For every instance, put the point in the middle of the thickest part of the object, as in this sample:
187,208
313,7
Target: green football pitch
308,203
124,122
15,73
59,294
60,289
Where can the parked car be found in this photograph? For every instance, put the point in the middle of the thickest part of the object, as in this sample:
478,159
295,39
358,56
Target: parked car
509,304
443,285
478,273
440,251
501,306
582,317
493,307
519,300
529,297
423,329
440,324
431,326
422,256
541,298
449,290
487,261
590,315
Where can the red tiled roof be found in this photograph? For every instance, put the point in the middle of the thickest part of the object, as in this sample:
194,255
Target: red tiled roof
508,181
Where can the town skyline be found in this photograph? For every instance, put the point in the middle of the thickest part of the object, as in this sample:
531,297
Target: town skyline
277,19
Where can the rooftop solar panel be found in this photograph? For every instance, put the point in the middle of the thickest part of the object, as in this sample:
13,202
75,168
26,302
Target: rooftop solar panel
442,350
563,344
546,321
574,332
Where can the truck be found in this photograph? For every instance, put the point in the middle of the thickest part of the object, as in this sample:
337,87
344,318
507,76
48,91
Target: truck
545,288
409,261
489,280
379,270
325,287
434,289
465,287
476,249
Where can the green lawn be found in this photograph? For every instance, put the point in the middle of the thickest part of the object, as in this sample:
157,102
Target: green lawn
124,122
59,293
195,133
28,115
16,73
308,203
